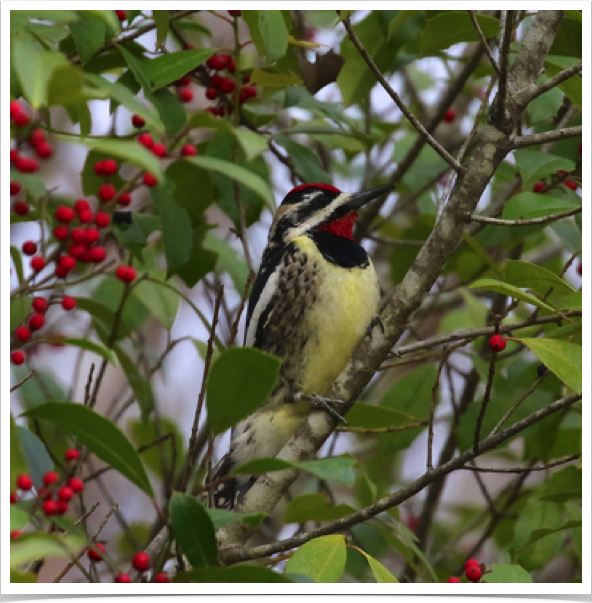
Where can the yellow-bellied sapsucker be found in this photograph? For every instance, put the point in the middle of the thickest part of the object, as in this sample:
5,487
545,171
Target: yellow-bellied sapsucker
313,300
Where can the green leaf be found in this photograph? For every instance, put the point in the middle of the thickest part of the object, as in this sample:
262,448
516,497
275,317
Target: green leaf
274,34
57,16
323,559
18,464
529,276
140,385
222,517
481,253
560,357
534,165
314,507
18,517
572,87
193,530
102,313
253,144
228,260
506,573
37,545
192,188
526,206
230,575
65,87
137,67
563,486
99,435
452,27
238,173
201,262
31,182
21,577
161,18
167,68
170,109
88,33
380,572
305,161
35,454
499,287
85,344
20,307
162,303
240,381
128,150
371,416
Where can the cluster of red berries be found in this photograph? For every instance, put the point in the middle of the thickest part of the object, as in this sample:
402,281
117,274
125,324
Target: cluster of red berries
141,562
497,343
540,186
159,149
473,571
55,497
35,322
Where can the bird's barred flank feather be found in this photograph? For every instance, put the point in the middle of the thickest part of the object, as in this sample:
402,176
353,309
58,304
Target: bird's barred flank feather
313,298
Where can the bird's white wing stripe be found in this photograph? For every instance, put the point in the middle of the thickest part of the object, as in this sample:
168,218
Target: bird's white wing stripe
264,299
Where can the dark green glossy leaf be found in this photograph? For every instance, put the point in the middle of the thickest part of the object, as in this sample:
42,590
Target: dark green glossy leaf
323,559
88,33
35,454
167,68
314,507
140,385
563,486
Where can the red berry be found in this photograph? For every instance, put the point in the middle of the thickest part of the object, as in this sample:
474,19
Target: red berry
579,269
102,219
162,577
37,263
246,79
14,155
65,493
61,233
92,236
40,304
470,562
107,192
98,168
571,184
85,216
50,477
216,80
185,95
67,262
124,199
123,578
71,454
77,250
78,235
96,555
250,91
60,272
159,149
27,165
538,187
453,579
473,573
17,357
450,115
36,137
36,321
15,534
22,333
76,484
121,15
24,482
61,507
138,122
230,64
142,562
44,150
188,150
21,119
225,58
50,507
211,93
497,343
235,13
13,498
68,303
29,248
64,214
125,273
97,254
150,179
15,188
109,166
20,208
146,140
15,108
81,205
227,85
216,62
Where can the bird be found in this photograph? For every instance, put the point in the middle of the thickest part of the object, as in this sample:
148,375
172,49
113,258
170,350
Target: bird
314,298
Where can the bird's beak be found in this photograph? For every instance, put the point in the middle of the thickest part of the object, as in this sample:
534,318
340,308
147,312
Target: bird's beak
358,199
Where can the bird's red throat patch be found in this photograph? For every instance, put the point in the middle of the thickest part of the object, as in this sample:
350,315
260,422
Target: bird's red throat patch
342,227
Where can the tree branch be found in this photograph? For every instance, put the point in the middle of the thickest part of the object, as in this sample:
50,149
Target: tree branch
552,136
542,220
484,43
457,167
238,554
534,91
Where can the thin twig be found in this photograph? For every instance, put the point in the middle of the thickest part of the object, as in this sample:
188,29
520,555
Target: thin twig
429,463
241,307
484,43
89,384
397,100
391,429
542,220
23,380
535,91
562,461
525,141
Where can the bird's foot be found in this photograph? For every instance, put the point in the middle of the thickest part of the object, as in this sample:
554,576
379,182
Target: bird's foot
320,403
376,321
